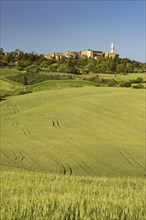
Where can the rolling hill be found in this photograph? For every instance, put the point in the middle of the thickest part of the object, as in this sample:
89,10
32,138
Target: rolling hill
87,131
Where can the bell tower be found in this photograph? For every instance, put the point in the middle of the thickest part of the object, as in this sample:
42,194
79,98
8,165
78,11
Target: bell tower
112,48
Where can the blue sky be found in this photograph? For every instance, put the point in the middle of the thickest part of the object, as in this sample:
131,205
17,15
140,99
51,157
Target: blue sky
58,26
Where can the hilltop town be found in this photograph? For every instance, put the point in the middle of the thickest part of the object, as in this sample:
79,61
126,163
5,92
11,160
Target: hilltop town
84,53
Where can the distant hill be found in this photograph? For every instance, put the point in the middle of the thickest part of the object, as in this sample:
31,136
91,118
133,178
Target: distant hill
26,61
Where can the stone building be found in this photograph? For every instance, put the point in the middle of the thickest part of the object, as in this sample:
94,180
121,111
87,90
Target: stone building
84,53
56,56
72,54
111,55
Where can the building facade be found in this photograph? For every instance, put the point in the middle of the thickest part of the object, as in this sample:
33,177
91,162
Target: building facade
84,53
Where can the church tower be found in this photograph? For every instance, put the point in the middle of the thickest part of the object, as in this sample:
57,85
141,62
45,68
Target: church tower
112,48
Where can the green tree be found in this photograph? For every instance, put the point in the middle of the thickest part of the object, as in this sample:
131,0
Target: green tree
129,68
120,68
63,68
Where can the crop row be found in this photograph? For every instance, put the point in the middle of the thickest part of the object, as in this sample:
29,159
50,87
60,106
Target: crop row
33,195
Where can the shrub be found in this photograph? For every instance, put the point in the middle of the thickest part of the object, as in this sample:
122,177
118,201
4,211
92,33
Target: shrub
2,98
137,86
33,78
112,83
21,92
125,84
78,85
138,80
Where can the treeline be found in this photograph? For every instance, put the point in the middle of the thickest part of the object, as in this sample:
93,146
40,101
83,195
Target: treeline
134,83
38,63
32,76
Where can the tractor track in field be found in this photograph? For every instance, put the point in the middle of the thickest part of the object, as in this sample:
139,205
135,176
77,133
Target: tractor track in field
41,170
8,158
59,164
53,124
17,156
127,159
34,161
83,165
15,123
14,107
5,155
80,165
64,169
70,169
26,132
56,123
77,162
134,163
29,158
87,166
86,170
21,156
25,167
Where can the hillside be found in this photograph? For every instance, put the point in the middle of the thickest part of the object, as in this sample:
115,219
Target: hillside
70,64
12,80
87,131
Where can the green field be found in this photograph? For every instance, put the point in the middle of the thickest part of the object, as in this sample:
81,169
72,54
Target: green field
29,195
5,85
77,131
72,151
4,72
8,87
58,84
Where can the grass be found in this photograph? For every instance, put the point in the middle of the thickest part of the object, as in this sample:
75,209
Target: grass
8,87
5,85
86,131
73,153
30,195
58,84
4,72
